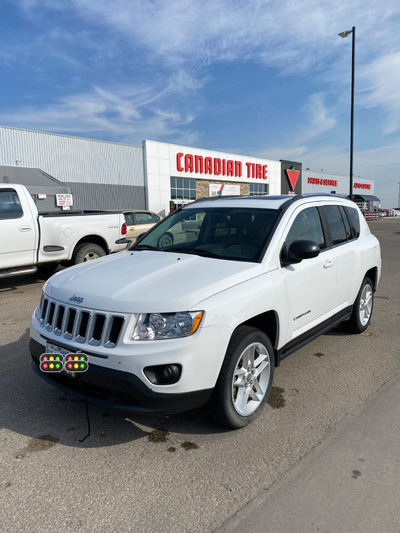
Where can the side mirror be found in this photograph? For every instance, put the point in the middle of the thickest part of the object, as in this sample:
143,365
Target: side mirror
300,250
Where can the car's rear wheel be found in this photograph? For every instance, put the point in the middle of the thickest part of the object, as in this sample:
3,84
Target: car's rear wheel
245,380
87,252
362,309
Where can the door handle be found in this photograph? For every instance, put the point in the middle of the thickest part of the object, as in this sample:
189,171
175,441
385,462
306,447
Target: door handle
329,264
25,228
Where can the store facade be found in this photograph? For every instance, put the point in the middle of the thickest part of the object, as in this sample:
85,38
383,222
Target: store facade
324,182
176,175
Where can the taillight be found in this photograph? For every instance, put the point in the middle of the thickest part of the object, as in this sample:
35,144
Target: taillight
123,229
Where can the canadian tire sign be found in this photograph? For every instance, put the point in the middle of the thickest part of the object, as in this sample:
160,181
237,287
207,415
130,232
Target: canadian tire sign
290,177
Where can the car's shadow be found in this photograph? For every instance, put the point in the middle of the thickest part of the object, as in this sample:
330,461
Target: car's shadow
31,407
12,283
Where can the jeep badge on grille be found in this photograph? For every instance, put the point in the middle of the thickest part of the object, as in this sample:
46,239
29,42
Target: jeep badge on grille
76,299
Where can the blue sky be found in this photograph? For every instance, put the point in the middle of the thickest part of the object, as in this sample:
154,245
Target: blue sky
268,78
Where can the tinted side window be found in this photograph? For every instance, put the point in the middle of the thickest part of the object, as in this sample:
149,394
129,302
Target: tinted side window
9,205
144,218
346,224
307,226
336,224
129,219
354,220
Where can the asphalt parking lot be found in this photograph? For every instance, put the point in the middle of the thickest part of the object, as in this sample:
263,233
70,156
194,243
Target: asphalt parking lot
180,473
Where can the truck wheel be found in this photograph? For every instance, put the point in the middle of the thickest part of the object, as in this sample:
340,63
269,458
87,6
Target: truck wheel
245,380
362,309
86,252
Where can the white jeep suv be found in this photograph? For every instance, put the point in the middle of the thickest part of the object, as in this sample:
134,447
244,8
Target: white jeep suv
202,308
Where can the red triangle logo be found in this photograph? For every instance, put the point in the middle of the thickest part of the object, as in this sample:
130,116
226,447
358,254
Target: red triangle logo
293,176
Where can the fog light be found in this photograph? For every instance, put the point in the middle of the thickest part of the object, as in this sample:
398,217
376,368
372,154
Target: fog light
163,374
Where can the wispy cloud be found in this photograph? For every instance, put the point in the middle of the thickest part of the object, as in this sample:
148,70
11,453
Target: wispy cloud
319,117
381,83
276,32
123,113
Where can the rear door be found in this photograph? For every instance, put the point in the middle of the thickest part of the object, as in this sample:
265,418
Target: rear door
17,231
346,255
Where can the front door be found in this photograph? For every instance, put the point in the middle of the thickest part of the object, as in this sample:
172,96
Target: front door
17,231
310,284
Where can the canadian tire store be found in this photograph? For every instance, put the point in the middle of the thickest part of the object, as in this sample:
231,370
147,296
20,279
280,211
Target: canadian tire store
176,175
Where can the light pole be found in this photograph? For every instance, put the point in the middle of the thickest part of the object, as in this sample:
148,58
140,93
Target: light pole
398,199
346,34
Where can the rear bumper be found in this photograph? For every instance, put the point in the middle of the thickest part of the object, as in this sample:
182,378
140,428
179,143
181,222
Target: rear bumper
118,390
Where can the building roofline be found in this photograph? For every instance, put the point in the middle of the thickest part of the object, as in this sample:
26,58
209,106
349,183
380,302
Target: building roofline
69,136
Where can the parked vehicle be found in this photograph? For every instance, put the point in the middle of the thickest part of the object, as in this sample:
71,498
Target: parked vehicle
139,222
30,240
169,326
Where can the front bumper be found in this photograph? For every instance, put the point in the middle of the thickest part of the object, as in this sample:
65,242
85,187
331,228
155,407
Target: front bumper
119,390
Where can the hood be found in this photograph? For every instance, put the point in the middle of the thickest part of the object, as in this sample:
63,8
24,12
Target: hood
147,281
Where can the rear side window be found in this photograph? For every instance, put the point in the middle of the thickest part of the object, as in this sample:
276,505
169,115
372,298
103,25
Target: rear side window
336,224
129,219
354,220
9,205
144,218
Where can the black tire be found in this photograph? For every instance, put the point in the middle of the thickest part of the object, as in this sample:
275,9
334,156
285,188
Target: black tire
87,251
362,309
234,403
165,240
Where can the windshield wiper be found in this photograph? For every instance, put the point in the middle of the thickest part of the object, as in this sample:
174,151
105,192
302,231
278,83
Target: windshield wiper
195,251
144,247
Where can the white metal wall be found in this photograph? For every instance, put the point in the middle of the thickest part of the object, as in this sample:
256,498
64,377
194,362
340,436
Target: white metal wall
72,159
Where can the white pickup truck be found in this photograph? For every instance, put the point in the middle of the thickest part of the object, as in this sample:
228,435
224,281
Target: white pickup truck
203,307
29,240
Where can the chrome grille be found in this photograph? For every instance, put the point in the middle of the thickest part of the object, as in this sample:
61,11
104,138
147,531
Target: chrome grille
81,325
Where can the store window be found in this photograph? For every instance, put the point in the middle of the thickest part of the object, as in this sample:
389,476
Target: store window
258,189
183,188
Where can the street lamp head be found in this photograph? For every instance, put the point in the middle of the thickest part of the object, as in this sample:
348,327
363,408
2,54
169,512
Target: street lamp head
345,33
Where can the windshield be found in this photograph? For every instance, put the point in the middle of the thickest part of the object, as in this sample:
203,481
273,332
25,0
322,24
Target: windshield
234,233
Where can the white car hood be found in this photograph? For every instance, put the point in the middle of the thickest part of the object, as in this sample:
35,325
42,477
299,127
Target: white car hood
148,281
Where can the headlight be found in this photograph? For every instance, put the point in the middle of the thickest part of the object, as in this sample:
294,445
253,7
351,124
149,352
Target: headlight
38,310
156,326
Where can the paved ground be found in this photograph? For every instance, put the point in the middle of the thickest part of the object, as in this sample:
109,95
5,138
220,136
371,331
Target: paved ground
184,473
348,483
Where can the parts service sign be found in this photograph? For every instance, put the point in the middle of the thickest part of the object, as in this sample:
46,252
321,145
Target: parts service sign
64,200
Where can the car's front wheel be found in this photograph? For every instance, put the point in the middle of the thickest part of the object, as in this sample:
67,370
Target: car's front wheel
245,380
362,309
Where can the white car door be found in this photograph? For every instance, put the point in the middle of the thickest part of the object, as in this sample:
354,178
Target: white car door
310,284
346,257
17,231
